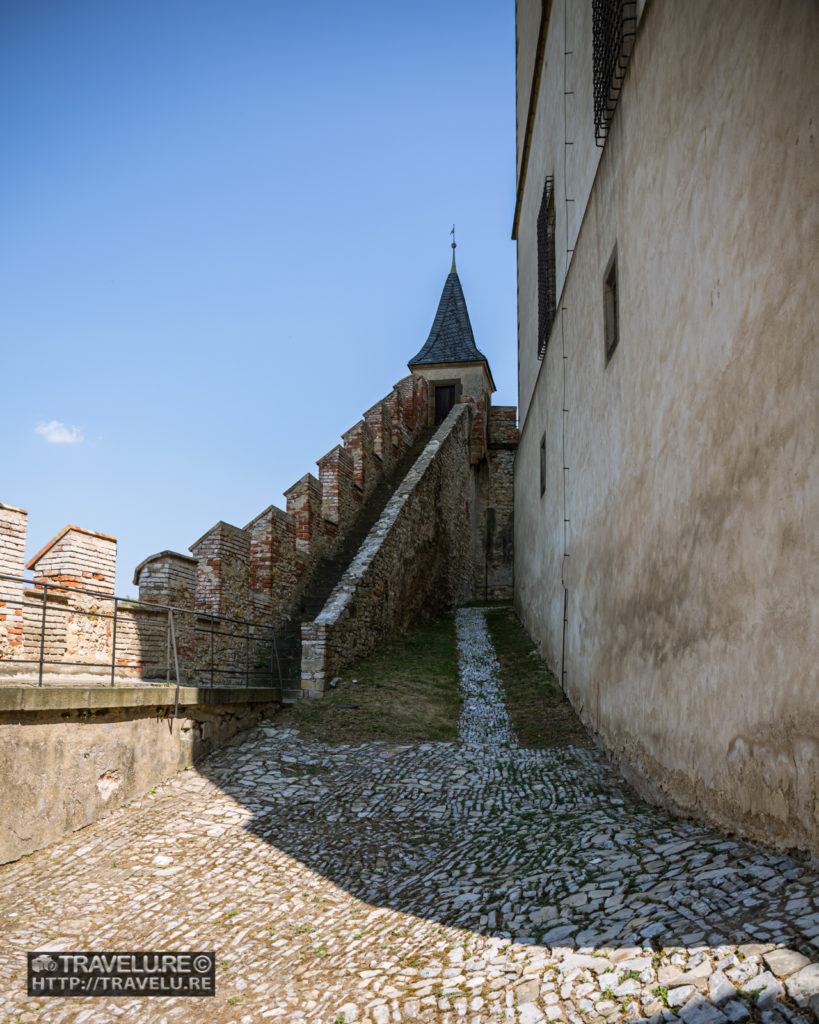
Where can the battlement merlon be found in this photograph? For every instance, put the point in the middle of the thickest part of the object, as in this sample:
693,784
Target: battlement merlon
223,556
367,467
304,504
340,501
78,558
168,578
13,527
275,565
379,419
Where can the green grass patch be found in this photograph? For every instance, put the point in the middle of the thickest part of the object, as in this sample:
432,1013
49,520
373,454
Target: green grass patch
405,693
542,717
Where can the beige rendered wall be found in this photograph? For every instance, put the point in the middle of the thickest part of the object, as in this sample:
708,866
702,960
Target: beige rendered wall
692,487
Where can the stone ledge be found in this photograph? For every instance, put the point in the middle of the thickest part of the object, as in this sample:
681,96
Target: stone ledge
48,698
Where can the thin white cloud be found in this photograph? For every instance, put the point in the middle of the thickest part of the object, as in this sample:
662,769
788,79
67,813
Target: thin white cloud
58,433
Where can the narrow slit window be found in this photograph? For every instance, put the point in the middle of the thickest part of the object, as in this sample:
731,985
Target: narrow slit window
611,311
543,464
546,290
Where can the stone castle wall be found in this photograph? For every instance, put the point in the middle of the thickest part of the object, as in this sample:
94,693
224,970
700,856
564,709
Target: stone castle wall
257,572
238,577
414,564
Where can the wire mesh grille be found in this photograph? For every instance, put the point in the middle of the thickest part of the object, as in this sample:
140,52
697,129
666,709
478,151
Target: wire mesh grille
614,25
546,291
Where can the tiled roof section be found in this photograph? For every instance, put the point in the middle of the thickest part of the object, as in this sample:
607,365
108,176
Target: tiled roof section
451,339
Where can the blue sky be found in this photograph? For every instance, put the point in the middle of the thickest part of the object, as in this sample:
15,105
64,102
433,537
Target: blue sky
224,232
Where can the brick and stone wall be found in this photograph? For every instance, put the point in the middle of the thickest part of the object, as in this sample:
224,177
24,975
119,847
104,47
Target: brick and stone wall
257,573
277,566
415,563
13,523
77,558
340,500
222,578
85,562
499,551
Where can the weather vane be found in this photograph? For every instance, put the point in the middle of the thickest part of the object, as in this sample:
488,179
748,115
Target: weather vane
452,232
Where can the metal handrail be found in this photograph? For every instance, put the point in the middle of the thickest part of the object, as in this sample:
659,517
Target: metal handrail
249,633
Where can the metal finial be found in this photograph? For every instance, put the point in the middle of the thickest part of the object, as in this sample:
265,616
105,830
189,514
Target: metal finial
452,232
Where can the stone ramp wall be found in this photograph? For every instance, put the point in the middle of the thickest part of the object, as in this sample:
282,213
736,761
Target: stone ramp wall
415,562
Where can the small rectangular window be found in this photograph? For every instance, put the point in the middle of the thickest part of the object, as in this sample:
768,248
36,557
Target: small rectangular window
610,307
546,285
543,464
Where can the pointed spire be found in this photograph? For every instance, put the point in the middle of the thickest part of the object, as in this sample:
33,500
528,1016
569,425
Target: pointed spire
452,232
451,339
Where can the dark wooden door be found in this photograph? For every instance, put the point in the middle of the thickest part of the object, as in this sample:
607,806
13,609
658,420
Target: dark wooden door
444,400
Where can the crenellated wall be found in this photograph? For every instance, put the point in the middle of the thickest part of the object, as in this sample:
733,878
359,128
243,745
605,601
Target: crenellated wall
236,577
415,562
257,572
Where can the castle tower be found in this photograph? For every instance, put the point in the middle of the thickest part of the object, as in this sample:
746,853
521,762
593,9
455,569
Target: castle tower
450,361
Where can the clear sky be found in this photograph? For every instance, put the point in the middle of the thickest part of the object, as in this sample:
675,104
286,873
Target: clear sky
224,228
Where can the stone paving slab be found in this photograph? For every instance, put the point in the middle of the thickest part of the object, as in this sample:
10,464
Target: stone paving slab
469,881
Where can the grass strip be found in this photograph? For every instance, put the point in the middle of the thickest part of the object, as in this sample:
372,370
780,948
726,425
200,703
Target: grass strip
405,693
542,717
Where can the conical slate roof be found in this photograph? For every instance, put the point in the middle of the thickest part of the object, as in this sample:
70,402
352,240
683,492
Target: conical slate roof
451,339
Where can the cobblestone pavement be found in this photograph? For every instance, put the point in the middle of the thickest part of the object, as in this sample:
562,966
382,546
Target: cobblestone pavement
469,881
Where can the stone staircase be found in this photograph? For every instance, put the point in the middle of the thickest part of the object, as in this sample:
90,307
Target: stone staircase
331,568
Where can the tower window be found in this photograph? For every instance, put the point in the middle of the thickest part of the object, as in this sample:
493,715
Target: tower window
610,307
614,25
546,297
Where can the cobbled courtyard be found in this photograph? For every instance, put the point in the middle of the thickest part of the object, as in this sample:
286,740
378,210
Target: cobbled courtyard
468,881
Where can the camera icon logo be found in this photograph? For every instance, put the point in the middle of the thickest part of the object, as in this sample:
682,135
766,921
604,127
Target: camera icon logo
44,962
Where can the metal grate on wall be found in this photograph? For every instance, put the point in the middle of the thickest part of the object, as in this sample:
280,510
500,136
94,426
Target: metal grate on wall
614,25
546,285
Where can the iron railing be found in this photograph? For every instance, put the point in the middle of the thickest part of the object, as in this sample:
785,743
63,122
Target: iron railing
213,650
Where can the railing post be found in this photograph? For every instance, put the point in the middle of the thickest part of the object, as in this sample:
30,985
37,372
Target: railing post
42,633
175,662
211,651
168,650
247,655
275,659
114,643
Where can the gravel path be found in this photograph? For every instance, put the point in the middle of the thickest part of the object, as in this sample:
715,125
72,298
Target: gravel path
469,881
